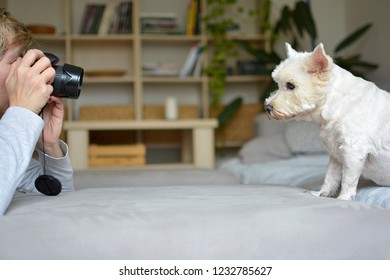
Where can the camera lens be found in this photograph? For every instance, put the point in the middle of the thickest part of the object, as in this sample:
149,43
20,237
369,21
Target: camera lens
68,81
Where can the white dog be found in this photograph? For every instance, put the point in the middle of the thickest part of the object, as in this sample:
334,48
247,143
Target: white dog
354,115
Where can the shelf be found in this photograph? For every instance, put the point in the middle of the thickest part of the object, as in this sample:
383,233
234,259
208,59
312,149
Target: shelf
171,37
59,38
97,38
128,53
244,37
231,79
247,78
197,138
141,125
103,80
183,80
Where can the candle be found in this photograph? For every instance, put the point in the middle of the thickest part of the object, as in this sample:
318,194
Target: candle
171,108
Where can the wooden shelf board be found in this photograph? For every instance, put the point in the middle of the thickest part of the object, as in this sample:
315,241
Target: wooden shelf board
170,37
175,79
140,125
96,38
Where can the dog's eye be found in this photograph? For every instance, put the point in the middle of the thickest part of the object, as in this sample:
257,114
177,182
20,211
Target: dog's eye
290,86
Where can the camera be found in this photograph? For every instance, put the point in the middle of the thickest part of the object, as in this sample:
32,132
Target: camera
68,80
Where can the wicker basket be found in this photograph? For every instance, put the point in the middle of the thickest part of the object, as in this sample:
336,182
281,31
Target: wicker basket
106,112
126,112
241,127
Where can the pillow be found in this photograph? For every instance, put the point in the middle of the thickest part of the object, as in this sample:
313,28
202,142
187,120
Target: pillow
268,127
303,137
264,149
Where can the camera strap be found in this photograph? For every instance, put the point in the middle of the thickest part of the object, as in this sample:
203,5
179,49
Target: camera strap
47,184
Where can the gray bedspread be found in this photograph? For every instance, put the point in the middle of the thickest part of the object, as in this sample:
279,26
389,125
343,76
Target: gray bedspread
193,222
306,172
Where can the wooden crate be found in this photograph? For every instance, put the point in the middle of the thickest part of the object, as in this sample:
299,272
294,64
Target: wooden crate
117,155
241,127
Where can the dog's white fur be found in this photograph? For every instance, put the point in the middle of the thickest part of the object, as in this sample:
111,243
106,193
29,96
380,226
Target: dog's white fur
354,115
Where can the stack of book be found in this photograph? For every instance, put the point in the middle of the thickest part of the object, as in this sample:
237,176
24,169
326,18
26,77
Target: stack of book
107,19
160,23
159,69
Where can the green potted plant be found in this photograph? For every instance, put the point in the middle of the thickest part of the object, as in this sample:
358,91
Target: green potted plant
217,24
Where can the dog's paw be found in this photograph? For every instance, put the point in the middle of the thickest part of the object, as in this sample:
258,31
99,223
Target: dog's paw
319,193
346,196
315,193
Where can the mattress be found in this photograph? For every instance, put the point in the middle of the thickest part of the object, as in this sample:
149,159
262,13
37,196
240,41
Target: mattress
192,222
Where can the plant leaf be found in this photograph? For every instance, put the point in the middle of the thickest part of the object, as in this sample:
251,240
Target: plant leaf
284,22
304,19
353,37
260,54
228,112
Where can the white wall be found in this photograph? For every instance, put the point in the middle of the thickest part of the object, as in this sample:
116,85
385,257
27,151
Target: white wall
375,46
336,19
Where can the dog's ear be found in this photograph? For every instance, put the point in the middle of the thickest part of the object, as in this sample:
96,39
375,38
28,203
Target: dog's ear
319,62
290,51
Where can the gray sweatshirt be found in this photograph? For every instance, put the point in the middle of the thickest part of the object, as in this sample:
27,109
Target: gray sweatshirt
19,133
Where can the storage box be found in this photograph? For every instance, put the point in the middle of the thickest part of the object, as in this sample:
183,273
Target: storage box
117,155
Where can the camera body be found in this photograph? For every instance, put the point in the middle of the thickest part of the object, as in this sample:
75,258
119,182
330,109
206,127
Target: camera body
68,80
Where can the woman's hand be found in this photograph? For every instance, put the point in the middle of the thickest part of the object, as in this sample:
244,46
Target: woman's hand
29,81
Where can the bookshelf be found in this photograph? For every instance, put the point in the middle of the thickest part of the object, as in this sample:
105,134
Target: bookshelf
122,56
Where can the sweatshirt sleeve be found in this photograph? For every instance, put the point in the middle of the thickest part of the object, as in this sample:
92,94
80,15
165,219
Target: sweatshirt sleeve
60,168
19,133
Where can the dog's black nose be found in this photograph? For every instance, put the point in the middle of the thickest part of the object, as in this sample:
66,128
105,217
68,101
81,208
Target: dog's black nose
268,109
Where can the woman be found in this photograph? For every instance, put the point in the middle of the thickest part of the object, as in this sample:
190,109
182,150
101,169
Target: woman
25,92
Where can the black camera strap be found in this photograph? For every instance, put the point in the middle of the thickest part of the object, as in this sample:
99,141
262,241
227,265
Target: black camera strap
47,184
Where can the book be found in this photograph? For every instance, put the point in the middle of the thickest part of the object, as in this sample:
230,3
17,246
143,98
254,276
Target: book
159,69
97,19
106,19
159,23
87,19
192,57
198,23
199,64
124,15
192,17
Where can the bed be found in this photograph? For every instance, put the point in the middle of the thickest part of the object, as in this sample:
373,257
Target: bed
292,153
245,209
193,222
